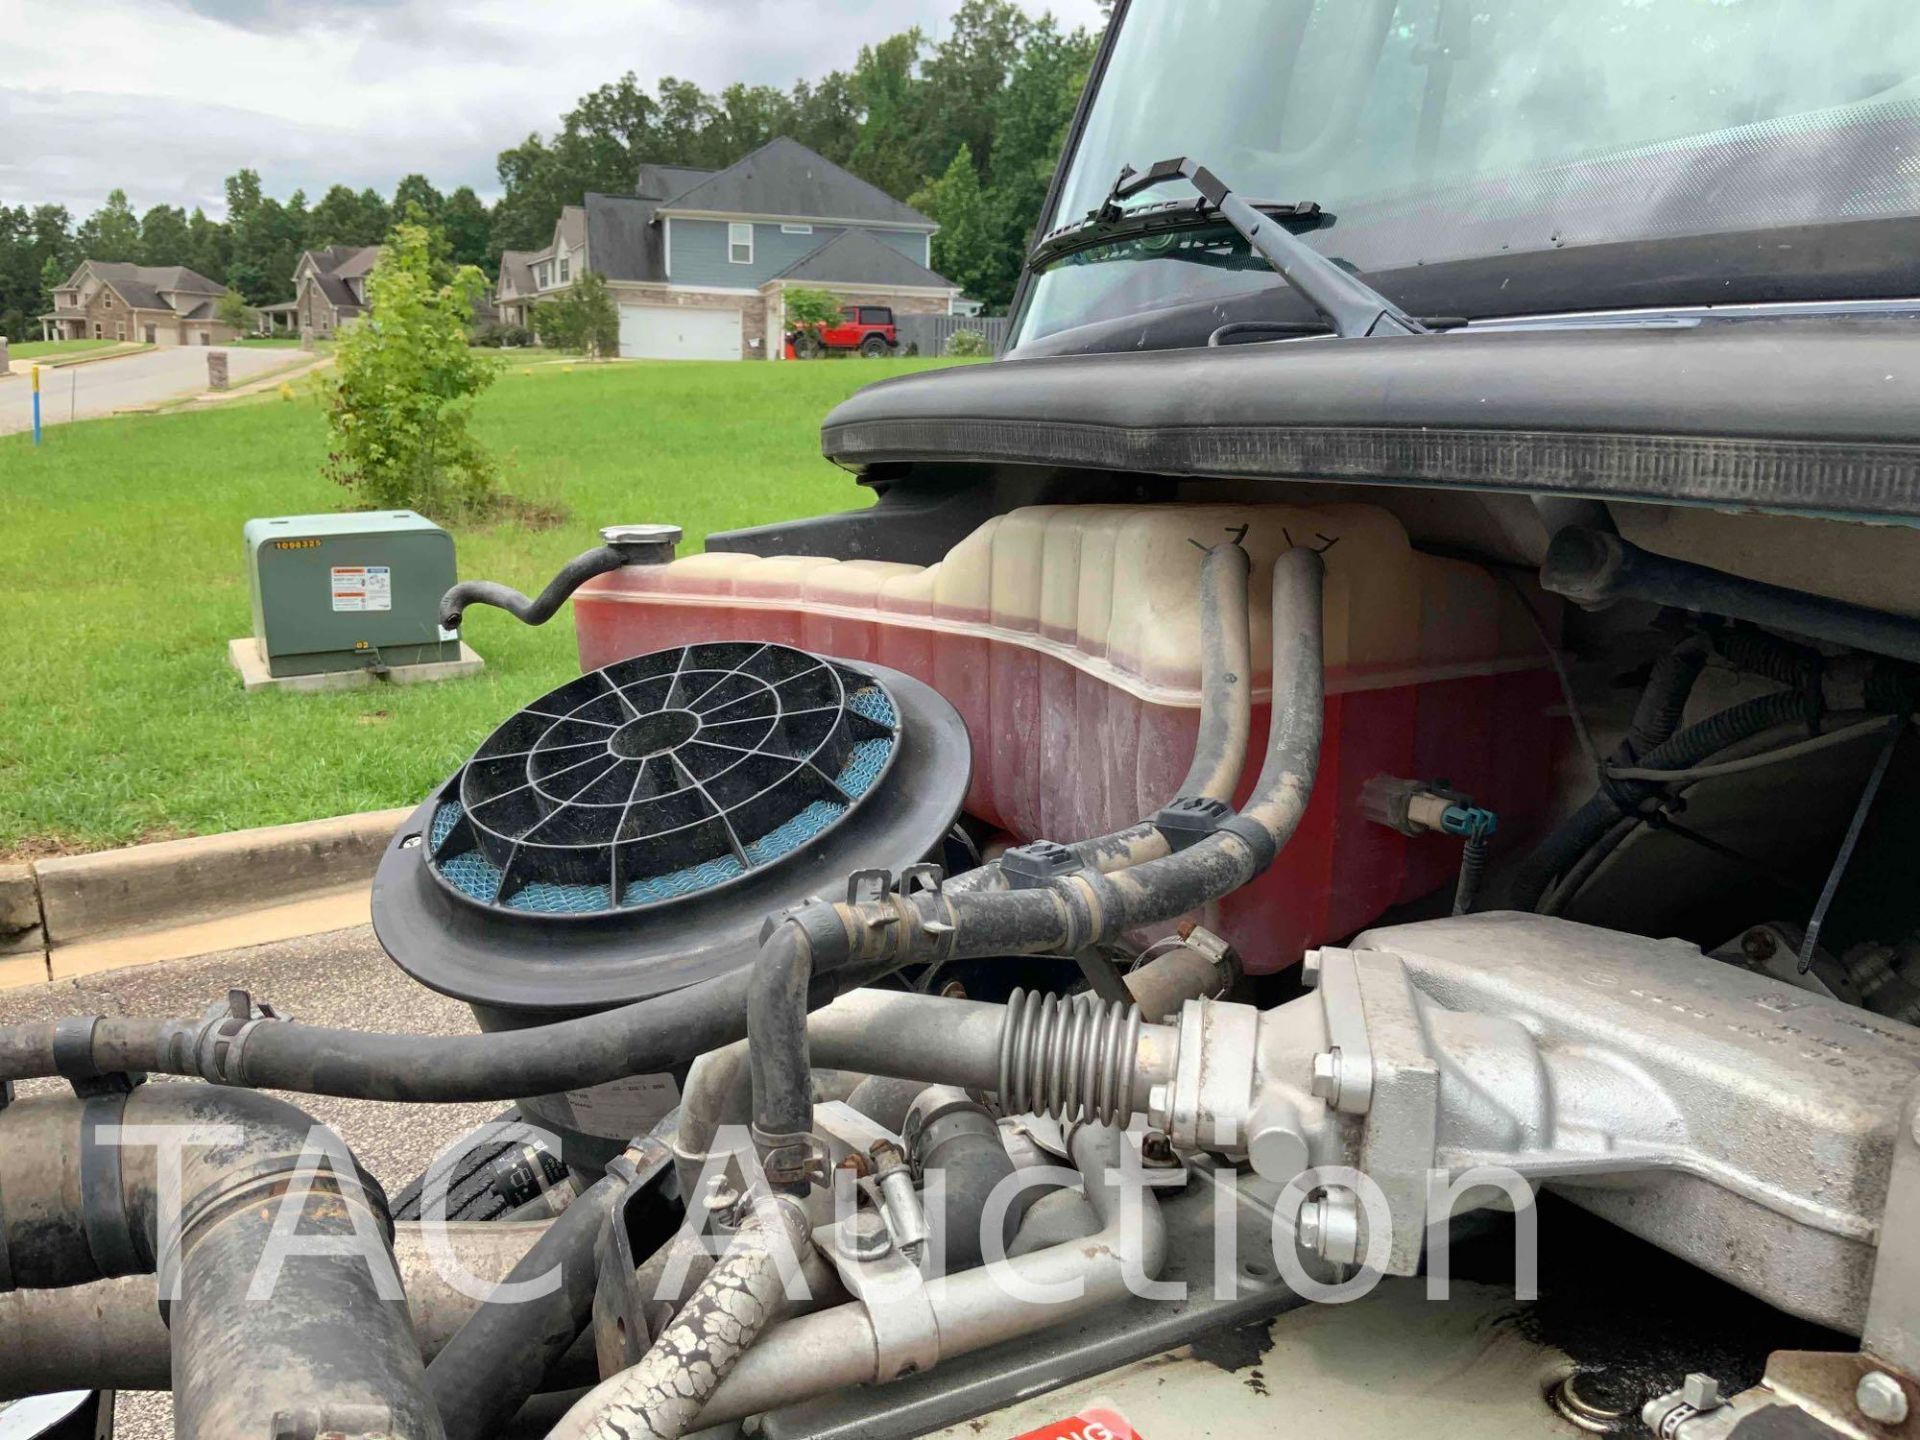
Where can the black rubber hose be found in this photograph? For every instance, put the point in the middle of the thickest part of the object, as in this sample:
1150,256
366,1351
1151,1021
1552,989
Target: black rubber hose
642,1038
1591,567
572,575
1664,700
1585,827
1657,715
777,1046
501,1355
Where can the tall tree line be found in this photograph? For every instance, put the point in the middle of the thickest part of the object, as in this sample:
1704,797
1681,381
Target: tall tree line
253,249
966,130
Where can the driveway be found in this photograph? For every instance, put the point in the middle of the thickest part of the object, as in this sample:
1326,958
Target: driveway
87,392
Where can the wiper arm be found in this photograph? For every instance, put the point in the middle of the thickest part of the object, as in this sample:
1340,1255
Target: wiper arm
1350,306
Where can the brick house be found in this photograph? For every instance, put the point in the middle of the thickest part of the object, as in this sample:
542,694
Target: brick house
155,304
698,260
330,287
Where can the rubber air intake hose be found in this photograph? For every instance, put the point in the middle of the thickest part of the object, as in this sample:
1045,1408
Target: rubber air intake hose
285,1307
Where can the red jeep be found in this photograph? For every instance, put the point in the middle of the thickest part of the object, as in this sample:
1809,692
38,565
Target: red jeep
866,328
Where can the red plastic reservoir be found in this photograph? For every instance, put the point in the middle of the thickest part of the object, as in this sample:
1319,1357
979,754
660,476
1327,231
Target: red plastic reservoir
1068,639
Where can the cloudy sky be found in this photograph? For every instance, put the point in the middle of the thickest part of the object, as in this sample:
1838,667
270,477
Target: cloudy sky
165,98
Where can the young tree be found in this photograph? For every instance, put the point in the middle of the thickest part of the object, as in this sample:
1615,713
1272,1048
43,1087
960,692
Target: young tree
404,388
809,312
582,319
232,309
967,249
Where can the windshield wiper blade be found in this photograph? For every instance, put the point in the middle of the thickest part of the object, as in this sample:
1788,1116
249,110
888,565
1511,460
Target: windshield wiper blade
1350,306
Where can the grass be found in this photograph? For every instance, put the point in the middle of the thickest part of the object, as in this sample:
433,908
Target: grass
43,349
124,722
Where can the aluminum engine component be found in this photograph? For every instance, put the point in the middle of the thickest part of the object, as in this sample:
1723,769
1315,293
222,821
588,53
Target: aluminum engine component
1742,1124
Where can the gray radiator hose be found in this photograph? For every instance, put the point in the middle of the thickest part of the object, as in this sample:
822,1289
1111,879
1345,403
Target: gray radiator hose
1078,911
1226,722
327,1345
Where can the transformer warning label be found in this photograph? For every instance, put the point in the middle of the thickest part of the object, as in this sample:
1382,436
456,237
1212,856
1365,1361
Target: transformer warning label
1087,1425
362,587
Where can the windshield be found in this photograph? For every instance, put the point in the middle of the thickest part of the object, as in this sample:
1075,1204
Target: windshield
1433,131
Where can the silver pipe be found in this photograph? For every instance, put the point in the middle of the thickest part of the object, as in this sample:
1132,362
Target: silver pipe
815,1354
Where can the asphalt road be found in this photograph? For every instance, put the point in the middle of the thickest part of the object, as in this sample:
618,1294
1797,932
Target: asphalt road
90,391
339,979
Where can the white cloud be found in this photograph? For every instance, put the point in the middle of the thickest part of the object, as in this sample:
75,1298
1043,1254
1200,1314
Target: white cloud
364,91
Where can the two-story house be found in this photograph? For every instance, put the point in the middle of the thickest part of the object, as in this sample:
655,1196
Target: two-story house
330,287
698,260
154,304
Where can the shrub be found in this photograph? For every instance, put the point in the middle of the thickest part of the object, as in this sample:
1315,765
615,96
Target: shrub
497,335
583,320
967,345
404,386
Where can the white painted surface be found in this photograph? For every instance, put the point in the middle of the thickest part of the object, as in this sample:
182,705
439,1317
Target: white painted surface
674,332
1392,1366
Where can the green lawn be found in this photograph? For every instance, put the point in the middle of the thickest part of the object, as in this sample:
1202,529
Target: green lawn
123,721
42,349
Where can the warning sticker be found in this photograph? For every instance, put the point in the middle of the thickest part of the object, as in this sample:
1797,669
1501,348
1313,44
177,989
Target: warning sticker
623,1108
362,587
1087,1425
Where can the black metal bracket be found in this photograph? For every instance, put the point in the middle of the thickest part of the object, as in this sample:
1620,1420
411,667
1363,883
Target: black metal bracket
1038,865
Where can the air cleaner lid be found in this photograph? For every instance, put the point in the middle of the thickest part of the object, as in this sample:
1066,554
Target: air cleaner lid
628,832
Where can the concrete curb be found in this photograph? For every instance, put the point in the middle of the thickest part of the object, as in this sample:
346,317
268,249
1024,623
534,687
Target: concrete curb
47,906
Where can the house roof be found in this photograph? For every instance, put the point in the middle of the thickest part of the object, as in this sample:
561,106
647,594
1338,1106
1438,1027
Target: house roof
622,241
857,257
141,286
517,266
663,182
349,262
784,177
572,227
339,294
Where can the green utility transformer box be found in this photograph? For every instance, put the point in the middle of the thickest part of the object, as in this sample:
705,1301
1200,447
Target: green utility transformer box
349,592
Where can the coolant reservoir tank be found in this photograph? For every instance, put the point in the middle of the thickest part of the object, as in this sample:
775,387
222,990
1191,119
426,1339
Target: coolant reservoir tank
1068,637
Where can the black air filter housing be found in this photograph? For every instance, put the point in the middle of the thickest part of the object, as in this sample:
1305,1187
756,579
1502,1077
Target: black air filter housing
627,834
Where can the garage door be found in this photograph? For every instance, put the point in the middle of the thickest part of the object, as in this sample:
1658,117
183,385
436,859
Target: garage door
671,332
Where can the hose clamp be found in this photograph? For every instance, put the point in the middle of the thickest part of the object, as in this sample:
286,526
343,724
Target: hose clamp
117,1245
793,1158
263,1180
223,1036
